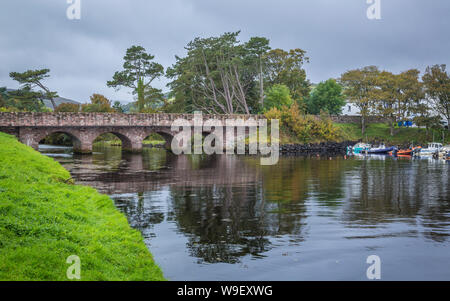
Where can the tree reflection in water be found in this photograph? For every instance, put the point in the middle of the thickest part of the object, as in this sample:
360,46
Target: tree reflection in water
229,207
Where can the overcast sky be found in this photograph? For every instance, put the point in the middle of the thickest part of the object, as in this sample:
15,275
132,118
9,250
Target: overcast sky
337,35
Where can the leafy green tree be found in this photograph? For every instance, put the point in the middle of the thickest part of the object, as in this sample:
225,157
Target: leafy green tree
327,97
139,72
359,85
222,75
3,97
258,47
436,81
27,100
153,99
217,76
286,68
21,100
34,79
118,107
176,104
278,96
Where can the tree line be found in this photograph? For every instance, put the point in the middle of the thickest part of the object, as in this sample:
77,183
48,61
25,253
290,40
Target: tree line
222,75
398,97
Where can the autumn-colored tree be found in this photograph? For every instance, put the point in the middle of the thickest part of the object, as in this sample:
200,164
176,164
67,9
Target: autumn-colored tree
68,107
410,93
99,103
436,81
306,128
359,85
384,97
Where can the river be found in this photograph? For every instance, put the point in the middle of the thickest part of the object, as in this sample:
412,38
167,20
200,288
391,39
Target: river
228,218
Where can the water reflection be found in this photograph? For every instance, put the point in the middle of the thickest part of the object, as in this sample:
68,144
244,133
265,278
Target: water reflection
227,217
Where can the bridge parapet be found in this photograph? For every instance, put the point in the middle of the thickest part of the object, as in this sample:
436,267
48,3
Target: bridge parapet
84,128
103,119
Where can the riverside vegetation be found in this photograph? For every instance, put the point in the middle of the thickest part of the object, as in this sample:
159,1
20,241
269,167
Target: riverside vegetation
296,127
44,219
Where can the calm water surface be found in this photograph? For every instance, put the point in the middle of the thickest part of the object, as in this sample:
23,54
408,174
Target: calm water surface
228,218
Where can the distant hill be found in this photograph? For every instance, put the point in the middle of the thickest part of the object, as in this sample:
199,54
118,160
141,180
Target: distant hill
129,106
58,100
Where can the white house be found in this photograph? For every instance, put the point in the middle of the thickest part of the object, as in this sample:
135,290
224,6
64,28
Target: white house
350,109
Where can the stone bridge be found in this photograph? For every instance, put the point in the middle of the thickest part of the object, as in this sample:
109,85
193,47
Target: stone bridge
84,128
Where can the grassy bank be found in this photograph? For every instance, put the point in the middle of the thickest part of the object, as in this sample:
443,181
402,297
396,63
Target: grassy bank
380,132
119,143
44,219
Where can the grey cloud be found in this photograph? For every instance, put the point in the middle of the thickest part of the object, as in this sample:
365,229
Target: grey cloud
83,54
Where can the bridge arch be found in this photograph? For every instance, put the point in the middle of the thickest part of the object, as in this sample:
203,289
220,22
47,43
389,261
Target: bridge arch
41,135
128,141
167,135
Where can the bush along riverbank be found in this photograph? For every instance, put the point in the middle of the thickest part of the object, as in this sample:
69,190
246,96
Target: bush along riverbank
44,219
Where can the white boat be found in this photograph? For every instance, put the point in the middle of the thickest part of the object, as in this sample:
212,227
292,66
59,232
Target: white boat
433,149
360,148
444,152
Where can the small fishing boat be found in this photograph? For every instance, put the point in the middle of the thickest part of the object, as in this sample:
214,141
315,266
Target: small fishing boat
405,152
360,148
432,150
444,152
382,149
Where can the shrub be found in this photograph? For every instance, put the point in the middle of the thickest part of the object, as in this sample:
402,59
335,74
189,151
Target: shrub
68,107
306,128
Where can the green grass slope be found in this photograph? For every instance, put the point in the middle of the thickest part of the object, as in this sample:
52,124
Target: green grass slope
44,219
381,132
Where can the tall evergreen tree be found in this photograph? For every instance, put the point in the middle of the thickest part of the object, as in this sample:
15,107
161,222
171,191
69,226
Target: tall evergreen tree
139,71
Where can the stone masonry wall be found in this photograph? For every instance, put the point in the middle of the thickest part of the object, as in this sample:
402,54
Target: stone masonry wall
103,119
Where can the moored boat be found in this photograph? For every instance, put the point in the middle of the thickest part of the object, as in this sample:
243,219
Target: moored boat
405,152
382,149
444,152
433,149
360,148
